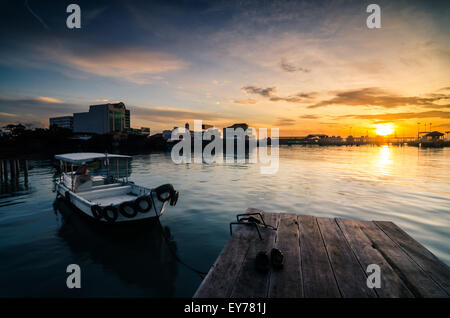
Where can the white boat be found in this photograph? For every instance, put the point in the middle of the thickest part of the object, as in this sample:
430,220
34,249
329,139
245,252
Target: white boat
109,196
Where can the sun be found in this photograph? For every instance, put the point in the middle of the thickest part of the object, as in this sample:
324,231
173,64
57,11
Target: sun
384,129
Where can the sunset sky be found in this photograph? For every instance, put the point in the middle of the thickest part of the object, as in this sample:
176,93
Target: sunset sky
303,66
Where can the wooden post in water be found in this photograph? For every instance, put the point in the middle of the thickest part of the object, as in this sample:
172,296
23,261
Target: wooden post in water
71,170
126,169
12,166
5,170
25,170
1,170
17,168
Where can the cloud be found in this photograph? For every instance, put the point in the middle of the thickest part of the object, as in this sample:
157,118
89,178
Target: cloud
399,116
290,99
282,121
265,92
373,96
39,106
288,67
137,66
167,114
269,92
309,117
48,100
246,101
7,115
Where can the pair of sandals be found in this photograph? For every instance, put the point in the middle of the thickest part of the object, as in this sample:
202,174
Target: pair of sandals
262,262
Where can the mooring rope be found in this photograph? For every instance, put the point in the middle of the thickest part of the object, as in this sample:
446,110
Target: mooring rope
174,253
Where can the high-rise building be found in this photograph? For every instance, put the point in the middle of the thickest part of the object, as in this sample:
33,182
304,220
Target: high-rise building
62,122
102,119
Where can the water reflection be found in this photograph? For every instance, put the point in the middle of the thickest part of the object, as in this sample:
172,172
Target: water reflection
384,160
405,185
139,255
14,187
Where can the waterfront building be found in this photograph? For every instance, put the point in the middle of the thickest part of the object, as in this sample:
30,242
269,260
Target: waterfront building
166,134
314,138
433,136
244,127
62,122
102,119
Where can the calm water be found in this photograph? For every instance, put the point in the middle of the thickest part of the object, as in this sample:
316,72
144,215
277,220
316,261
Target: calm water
408,186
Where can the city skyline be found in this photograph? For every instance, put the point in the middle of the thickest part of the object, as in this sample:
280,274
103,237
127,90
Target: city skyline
304,67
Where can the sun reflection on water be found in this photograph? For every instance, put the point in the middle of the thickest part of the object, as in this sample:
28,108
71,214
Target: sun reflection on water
384,162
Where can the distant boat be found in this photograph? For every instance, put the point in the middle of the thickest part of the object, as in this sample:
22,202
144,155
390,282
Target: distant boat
107,198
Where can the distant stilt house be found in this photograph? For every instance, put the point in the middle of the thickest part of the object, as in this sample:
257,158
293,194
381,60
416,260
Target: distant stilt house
316,138
433,136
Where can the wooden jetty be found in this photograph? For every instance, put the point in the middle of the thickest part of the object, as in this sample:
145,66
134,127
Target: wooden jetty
325,257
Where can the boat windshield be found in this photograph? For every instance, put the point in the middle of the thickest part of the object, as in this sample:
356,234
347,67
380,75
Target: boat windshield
95,169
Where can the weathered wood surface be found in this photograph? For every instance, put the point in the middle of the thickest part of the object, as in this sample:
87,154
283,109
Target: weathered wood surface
434,267
350,276
251,283
287,282
318,276
366,253
325,257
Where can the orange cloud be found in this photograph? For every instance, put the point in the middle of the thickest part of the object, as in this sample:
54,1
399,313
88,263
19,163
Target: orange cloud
246,101
373,96
7,115
399,116
48,100
134,65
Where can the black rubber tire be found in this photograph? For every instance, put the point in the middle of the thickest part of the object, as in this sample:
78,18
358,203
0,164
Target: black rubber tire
146,200
67,196
106,213
96,212
174,198
125,206
165,188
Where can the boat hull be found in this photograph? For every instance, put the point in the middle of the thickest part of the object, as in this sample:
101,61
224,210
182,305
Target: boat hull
85,201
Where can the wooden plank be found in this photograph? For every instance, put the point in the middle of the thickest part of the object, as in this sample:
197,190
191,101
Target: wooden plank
350,276
317,273
220,279
434,267
414,277
287,282
325,258
365,252
251,283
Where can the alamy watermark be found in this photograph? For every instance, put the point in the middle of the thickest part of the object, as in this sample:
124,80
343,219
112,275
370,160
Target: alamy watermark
241,146
73,21
74,279
374,279
374,19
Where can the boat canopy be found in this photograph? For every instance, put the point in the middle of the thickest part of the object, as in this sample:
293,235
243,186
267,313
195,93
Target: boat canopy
80,158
